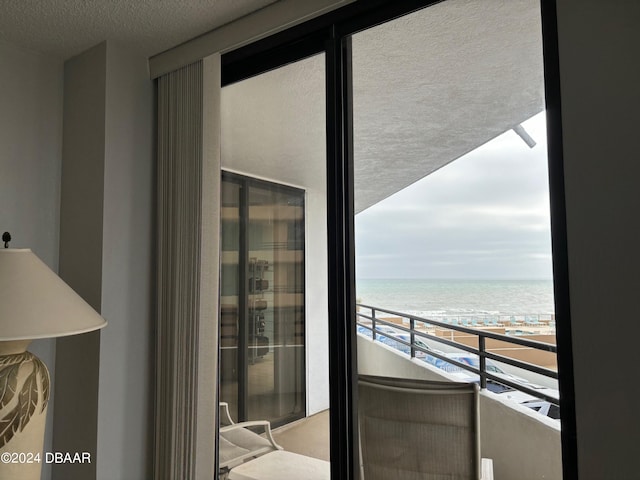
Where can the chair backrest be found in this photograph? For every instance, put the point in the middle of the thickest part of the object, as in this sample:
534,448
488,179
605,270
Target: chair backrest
417,429
224,415
238,443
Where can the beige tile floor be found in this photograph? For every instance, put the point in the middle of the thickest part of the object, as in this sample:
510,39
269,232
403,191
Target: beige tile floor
308,436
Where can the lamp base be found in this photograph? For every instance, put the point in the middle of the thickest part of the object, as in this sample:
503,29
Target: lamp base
24,394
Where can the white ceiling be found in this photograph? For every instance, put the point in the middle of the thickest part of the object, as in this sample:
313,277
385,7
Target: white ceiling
64,28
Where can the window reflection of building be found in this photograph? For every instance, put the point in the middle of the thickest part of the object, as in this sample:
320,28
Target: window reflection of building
262,300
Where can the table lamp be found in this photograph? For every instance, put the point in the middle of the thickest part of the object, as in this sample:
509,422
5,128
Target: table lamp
34,303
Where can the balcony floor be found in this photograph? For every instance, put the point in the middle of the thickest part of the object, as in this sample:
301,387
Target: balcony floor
308,436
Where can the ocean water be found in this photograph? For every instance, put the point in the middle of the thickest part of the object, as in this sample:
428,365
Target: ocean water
427,297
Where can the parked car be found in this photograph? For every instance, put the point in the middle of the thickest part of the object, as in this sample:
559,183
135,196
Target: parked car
467,358
391,339
544,408
541,406
390,336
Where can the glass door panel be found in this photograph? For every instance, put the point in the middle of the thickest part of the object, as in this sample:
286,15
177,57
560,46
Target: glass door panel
276,320
452,225
274,307
262,313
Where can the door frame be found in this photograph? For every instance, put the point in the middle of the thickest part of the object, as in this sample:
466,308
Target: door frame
330,33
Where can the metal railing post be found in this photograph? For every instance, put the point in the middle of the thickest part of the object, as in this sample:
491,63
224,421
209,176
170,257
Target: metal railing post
373,323
483,362
412,326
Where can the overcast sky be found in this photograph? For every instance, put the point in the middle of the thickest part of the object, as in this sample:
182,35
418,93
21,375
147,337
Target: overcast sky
483,216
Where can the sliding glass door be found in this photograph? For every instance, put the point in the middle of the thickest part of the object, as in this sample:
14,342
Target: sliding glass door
357,109
262,348
273,296
452,226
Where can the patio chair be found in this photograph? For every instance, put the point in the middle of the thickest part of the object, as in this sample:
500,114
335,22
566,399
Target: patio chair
238,443
491,321
416,429
531,320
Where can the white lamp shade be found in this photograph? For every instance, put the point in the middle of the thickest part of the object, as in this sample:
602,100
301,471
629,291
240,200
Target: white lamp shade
36,303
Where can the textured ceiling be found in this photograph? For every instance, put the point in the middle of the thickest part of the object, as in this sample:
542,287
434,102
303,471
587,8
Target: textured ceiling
428,88
432,86
64,28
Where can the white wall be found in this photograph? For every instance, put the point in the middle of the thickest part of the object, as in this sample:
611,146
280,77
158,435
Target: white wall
316,302
125,402
522,444
81,206
106,250
599,46
31,141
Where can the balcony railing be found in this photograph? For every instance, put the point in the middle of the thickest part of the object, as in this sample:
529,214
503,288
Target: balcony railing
372,323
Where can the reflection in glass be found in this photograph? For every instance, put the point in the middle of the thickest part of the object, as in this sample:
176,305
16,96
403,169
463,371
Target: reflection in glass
262,299
230,294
